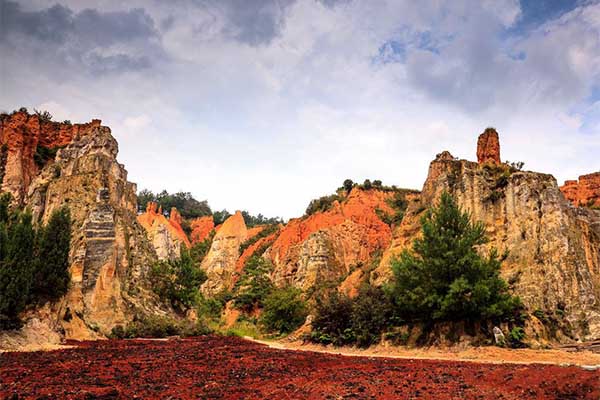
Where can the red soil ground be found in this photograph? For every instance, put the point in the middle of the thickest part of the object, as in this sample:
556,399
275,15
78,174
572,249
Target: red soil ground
232,368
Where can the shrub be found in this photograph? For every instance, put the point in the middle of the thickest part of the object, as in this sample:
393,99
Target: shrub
348,185
444,277
284,310
371,313
516,336
268,230
332,322
322,204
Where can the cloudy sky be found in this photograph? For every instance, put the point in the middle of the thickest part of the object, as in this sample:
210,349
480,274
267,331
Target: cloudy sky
265,104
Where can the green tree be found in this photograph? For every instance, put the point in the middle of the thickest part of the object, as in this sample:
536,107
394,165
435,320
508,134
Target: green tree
367,185
16,272
444,277
348,184
284,310
254,285
177,281
51,277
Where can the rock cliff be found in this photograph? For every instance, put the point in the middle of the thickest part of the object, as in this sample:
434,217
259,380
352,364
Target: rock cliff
220,261
553,249
488,147
27,142
584,192
166,235
110,253
326,246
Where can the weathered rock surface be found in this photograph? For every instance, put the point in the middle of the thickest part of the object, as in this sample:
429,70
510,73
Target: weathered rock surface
201,228
110,254
166,235
553,248
584,192
20,136
488,147
326,246
220,261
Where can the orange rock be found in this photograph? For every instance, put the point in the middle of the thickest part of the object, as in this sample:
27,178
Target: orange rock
255,230
201,228
22,133
152,218
488,147
585,191
252,248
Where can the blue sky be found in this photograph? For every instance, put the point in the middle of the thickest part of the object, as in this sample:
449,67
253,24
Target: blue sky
267,106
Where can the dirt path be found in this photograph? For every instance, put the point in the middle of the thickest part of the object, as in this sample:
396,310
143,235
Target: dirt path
489,354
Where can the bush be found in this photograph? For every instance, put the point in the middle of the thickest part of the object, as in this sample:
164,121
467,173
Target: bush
371,313
340,320
332,322
268,230
284,310
516,336
444,277
322,204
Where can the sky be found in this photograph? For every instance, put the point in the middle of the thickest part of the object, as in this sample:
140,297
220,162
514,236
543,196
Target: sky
264,105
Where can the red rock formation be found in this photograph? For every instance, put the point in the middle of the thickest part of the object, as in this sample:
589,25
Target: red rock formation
22,133
488,147
156,223
326,245
252,248
585,192
201,228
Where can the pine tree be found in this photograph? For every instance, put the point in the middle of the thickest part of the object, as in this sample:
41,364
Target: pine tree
16,272
52,257
444,277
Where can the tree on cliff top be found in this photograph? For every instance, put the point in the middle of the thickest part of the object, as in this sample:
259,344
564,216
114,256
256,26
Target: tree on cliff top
444,277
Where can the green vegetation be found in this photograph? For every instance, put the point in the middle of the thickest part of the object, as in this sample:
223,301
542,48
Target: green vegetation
44,116
322,204
33,263
254,285
268,230
399,204
44,154
177,281
444,278
284,310
185,203
340,320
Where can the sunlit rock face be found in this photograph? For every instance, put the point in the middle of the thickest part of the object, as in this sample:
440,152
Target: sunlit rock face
110,253
326,246
488,147
201,228
553,260
166,235
23,141
220,261
584,192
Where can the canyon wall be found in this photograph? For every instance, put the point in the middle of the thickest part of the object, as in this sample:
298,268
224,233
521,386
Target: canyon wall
110,253
166,235
584,192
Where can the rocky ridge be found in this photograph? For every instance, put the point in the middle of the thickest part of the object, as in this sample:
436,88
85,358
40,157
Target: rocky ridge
110,253
583,192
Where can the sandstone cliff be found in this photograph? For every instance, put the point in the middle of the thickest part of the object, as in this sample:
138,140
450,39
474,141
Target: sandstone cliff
23,140
584,192
220,262
326,246
110,253
166,235
553,260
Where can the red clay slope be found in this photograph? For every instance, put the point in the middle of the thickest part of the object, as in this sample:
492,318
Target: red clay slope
231,368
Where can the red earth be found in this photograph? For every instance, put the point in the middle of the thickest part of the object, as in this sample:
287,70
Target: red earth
214,367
